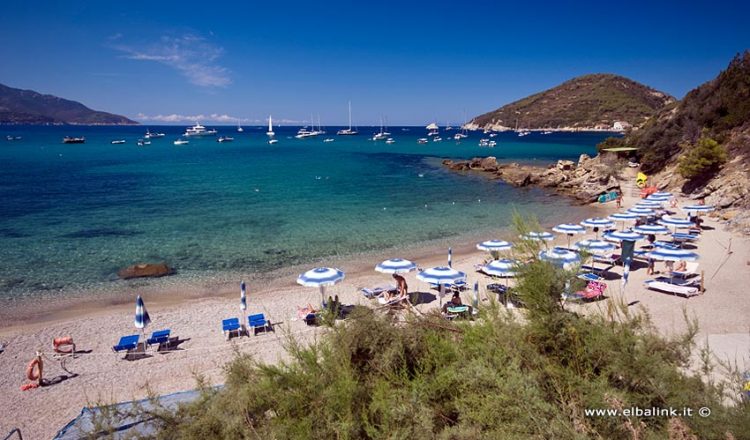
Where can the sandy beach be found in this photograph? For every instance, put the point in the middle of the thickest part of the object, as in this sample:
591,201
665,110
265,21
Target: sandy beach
99,375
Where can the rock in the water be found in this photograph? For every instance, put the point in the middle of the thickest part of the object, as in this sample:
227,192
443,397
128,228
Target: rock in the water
489,164
145,270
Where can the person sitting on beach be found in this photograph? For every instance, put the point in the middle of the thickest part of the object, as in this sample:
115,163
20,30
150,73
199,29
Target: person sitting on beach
680,266
455,302
403,288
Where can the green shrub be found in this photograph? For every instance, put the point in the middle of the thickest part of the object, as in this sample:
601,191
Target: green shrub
702,160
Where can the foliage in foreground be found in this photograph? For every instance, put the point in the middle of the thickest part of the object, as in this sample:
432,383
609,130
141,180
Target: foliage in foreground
494,377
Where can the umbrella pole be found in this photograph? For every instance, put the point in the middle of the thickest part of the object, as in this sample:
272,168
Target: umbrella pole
569,235
323,296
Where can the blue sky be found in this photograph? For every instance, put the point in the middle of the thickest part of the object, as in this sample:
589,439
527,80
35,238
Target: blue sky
412,62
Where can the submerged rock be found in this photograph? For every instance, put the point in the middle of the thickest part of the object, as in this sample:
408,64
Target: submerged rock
152,270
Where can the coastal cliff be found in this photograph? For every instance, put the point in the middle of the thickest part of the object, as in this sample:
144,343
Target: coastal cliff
589,102
583,181
19,106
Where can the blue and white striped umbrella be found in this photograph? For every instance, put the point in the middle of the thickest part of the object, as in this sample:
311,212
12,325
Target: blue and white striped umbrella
648,204
560,257
321,277
598,247
396,265
501,268
651,229
569,228
494,245
598,222
662,194
450,257
658,198
243,296
623,216
641,211
627,235
664,254
538,236
141,315
441,275
675,222
698,208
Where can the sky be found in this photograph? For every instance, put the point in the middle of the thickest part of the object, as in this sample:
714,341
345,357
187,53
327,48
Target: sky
408,62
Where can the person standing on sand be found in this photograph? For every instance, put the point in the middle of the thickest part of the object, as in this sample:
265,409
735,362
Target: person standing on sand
403,288
618,200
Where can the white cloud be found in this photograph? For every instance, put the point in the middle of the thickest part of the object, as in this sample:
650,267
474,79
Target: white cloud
191,55
174,117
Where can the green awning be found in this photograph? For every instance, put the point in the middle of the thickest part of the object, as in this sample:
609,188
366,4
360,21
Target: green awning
619,149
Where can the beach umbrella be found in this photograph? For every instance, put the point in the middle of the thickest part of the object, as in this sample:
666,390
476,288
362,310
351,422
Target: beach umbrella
698,208
243,296
658,198
623,216
500,268
653,204
675,222
570,229
450,257
141,315
538,236
560,257
664,254
662,194
642,211
441,276
321,277
598,247
396,265
651,229
623,235
598,222
494,245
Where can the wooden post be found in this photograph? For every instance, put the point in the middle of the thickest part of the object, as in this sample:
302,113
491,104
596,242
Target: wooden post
703,287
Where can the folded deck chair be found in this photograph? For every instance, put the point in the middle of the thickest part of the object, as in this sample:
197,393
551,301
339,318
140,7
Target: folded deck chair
160,337
258,321
691,270
378,291
230,326
675,289
128,344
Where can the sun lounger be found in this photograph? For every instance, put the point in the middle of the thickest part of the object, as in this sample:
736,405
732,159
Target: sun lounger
453,312
161,338
691,270
675,289
589,276
258,321
607,259
593,290
378,291
128,344
678,281
230,326
682,237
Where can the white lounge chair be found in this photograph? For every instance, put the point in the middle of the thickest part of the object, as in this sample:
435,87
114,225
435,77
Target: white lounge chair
377,292
675,289
691,270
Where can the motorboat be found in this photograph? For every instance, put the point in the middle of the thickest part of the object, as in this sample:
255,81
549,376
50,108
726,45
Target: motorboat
390,141
523,133
181,142
459,136
225,139
143,142
493,135
199,130
118,141
74,140
491,144
272,141
304,133
328,140
484,142
422,141
437,139
150,135
13,138
547,132
348,131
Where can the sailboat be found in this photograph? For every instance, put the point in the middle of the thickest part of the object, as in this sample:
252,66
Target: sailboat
380,135
270,127
239,127
348,131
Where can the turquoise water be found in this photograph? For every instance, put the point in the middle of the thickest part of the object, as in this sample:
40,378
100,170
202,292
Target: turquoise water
72,215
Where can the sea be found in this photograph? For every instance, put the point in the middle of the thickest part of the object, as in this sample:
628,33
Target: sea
72,215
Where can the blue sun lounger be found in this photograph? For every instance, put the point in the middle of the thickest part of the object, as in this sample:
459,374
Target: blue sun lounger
160,337
229,326
127,344
258,321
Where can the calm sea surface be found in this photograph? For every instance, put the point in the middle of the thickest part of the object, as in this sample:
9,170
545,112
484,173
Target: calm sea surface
72,215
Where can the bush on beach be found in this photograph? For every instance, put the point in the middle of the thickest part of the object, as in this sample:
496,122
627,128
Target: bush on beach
496,377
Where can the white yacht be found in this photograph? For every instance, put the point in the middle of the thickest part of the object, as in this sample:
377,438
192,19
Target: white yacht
150,135
181,142
270,127
199,130
115,142
379,136
348,131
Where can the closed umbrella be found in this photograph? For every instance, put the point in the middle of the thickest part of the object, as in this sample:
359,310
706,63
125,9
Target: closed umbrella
321,277
141,314
450,257
569,229
243,296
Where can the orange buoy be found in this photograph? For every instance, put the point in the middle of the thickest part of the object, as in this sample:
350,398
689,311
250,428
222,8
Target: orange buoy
34,369
64,345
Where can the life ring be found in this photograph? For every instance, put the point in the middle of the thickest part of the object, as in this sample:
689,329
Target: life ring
31,373
64,345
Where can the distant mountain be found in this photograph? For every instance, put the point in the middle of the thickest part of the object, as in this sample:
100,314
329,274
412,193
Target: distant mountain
589,101
19,106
